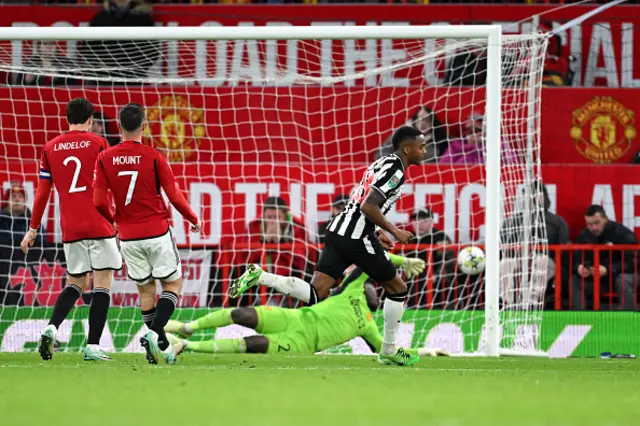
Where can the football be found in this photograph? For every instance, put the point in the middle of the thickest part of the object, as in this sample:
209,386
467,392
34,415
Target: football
471,260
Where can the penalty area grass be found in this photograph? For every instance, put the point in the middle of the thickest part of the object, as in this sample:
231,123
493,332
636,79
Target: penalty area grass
319,390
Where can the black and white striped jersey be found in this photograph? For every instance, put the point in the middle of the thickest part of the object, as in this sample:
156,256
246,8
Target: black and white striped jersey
385,175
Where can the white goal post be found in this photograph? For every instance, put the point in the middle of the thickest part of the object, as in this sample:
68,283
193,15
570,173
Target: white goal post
488,35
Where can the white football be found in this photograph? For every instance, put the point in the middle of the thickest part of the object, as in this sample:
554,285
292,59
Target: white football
471,260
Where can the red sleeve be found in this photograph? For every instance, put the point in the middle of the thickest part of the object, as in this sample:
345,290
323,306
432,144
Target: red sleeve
99,177
168,183
100,185
101,203
40,202
45,169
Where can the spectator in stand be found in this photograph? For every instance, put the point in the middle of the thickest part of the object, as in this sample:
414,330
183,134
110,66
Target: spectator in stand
121,59
278,226
470,148
15,218
443,261
468,68
426,121
101,127
424,231
51,65
543,266
615,267
338,205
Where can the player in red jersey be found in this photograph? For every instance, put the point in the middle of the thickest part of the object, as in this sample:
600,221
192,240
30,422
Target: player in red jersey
89,239
135,173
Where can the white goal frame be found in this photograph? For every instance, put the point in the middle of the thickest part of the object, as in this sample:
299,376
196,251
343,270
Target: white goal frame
492,33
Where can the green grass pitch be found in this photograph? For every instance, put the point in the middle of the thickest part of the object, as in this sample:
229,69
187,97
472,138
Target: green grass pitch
318,390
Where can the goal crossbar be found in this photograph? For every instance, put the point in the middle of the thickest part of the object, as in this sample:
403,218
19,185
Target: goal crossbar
331,32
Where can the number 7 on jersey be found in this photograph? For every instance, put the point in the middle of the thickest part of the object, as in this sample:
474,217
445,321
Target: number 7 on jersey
132,184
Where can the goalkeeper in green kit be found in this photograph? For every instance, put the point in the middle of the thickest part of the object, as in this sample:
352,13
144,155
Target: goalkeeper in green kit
304,331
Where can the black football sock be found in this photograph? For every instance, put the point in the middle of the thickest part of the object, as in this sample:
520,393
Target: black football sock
148,316
164,309
64,304
100,301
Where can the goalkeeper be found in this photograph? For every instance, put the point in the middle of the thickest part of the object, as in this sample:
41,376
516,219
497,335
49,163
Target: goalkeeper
303,331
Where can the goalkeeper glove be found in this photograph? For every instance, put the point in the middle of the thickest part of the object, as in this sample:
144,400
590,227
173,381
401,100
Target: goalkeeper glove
413,267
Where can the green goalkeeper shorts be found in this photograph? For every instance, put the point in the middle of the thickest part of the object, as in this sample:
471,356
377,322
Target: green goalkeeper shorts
289,331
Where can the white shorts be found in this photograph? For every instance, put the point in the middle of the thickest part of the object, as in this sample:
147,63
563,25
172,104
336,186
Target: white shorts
155,258
92,255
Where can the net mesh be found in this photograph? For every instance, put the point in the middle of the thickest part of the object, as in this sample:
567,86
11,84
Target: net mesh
242,121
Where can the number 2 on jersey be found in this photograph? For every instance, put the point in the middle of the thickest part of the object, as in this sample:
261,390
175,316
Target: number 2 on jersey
76,174
132,185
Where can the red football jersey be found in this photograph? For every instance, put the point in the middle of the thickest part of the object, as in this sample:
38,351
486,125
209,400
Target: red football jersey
135,173
68,161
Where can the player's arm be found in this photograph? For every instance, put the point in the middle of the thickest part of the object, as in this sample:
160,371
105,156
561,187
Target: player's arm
171,188
39,204
100,186
370,209
378,193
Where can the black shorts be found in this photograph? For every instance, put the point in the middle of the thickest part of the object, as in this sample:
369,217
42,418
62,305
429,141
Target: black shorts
367,253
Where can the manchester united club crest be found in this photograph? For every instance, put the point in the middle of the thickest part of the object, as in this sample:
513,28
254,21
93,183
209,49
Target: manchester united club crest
603,130
175,127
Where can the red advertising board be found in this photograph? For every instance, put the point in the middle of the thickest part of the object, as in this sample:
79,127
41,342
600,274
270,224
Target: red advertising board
228,196
604,46
336,124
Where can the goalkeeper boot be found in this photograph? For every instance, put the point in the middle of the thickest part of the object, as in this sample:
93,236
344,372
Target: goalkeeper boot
179,345
400,357
94,353
150,344
246,281
179,328
47,342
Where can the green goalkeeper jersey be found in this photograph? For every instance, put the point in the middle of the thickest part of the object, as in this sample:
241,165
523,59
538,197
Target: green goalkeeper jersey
346,316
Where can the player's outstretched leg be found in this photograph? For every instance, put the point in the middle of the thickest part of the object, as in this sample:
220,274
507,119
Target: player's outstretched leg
63,306
396,293
246,317
250,278
178,328
222,346
100,301
289,286
251,344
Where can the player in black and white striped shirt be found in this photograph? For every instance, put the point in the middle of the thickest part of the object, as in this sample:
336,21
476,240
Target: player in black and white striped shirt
352,239
386,176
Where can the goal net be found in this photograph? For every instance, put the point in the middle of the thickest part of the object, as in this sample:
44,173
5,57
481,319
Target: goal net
267,138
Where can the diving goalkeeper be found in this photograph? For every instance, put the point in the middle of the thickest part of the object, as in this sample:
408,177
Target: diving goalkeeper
303,331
